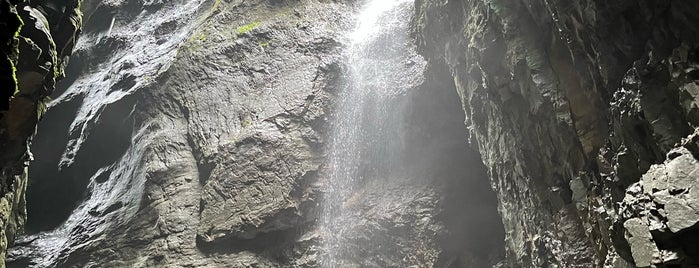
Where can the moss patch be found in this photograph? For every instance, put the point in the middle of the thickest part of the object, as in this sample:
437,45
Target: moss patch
246,123
215,7
10,53
199,36
247,27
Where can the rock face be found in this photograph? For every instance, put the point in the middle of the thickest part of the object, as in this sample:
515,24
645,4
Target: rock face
659,213
223,102
570,104
194,135
37,40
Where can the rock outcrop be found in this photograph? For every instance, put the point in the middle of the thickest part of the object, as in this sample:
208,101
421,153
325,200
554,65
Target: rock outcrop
37,40
223,103
570,104
659,213
195,135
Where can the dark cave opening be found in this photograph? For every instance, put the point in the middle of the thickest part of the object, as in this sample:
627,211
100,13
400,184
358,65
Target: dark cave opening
437,154
474,234
45,191
53,194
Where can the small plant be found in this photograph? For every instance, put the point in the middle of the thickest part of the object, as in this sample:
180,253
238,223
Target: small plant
14,79
264,44
247,27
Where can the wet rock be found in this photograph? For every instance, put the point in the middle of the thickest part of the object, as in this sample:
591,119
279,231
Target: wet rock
224,106
225,109
553,90
582,113
30,64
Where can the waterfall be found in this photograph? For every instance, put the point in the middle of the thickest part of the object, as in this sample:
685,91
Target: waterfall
367,139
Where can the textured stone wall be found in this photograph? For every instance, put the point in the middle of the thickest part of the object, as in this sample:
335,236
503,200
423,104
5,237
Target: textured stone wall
37,40
570,104
198,135
223,102
584,114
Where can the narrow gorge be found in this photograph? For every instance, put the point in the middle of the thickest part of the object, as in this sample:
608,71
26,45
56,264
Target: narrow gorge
331,133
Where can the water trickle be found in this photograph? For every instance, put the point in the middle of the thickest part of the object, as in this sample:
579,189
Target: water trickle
122,60
367,140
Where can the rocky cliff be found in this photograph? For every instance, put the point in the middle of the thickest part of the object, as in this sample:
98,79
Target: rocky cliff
37,40
195,134
585,114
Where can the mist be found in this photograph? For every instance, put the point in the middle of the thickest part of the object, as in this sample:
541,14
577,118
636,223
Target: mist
373,133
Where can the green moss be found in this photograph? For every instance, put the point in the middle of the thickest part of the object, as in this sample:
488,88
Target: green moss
216,5
196,41
264,44
200,37
14,78
246,123
247,27
15,54
21,23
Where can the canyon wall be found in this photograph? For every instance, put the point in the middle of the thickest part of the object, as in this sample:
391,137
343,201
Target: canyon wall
195,134
37,40
585,114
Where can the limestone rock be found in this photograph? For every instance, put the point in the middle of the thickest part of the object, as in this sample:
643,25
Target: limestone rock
204,145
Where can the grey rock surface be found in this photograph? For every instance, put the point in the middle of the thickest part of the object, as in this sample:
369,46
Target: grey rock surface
199,132
36,43
661,207
226,113
570,104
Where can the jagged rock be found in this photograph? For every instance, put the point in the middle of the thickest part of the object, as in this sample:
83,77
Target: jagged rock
29,65
642,248
661,209
216,115
555,89
214,112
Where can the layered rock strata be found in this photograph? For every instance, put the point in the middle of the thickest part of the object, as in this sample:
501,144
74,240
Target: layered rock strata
570,104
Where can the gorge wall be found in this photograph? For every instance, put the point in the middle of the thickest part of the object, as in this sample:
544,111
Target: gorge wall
195,134
585,114
37,40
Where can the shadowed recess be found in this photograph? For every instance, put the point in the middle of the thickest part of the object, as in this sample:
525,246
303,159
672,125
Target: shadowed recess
55,193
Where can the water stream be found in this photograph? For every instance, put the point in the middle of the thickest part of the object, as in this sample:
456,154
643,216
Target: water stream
367,140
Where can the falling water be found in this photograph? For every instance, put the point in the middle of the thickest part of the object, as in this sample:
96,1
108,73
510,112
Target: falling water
368,139
115,191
